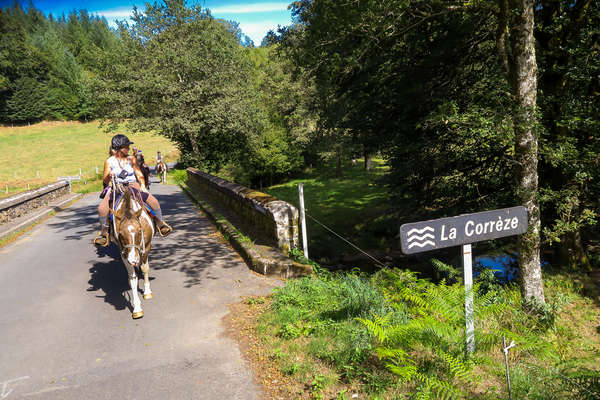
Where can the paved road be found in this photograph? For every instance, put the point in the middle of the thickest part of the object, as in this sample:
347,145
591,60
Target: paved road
66,330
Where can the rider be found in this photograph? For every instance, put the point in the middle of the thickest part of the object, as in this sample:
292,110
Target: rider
158,157
125,170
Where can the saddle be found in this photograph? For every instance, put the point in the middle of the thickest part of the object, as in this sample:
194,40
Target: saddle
136,194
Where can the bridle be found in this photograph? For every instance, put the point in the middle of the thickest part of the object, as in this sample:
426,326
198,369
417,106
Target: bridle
141,249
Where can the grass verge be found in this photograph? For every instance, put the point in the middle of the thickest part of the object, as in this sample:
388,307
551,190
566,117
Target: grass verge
394,336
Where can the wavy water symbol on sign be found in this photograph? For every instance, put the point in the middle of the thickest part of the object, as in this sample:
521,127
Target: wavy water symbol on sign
420,237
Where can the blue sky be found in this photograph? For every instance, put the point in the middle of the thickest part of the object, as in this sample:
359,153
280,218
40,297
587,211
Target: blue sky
255,17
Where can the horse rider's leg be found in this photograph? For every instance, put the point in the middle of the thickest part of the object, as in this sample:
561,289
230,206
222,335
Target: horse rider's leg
162,226
133,282
102,238
145,267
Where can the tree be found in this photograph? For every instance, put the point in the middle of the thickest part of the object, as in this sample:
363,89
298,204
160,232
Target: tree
517,21
569,81
182,74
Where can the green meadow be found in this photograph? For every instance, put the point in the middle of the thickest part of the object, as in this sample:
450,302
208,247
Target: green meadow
354,206
34,155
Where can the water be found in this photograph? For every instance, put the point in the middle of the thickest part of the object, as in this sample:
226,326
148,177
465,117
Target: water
505,266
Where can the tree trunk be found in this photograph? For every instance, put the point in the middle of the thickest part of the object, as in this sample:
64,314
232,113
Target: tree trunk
523,72
368,161
338,169
571,252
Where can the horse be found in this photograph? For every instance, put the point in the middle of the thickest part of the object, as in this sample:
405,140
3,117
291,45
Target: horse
161,171
144,168
132,230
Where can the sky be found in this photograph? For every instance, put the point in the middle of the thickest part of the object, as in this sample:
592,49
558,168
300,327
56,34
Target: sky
256,17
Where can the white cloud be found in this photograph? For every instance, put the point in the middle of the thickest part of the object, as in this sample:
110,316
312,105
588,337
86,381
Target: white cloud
257,30
115,13
249,8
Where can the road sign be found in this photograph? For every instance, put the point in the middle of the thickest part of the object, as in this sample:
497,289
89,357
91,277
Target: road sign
436,234
463,230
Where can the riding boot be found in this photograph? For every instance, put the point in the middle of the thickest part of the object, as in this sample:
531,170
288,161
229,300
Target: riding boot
103,237
162,227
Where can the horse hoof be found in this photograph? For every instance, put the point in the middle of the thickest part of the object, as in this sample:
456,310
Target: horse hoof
137,315
148,296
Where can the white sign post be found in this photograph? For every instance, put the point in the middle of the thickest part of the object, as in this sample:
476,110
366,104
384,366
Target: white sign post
303,220
467,261
463,230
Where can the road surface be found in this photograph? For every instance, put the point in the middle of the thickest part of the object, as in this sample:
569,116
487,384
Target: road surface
66,330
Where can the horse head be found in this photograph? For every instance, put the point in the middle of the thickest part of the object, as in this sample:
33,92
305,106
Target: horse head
129,230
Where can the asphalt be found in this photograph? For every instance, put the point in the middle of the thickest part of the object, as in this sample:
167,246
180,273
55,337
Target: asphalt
66,330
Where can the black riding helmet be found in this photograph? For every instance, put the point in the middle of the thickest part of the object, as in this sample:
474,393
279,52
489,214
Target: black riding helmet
119,141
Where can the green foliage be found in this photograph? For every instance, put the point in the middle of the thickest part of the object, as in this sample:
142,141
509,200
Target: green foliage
435,330
415,328
183,74
48,66
323,309
424,82
179,176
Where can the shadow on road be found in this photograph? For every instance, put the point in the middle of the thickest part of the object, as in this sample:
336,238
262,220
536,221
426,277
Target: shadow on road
109,275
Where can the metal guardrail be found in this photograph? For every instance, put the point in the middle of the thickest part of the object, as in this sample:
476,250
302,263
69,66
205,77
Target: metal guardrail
69,178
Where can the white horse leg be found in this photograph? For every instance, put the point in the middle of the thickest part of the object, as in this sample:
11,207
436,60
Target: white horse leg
147,291
137,303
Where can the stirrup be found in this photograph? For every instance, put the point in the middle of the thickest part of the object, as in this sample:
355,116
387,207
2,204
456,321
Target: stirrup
101,236
163,224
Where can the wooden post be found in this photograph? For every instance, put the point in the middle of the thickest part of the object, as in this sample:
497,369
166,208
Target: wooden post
303,220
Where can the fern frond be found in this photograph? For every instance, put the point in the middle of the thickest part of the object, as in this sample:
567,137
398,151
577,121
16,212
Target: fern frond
442,389
405,372
457,368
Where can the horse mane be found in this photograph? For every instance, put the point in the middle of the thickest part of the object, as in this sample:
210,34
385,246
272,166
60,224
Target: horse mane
127,205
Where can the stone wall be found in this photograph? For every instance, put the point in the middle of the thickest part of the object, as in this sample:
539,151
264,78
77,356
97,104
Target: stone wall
263,218
23,203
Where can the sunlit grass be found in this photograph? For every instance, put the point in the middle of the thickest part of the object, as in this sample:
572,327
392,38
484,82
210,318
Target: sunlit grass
38,154
349,205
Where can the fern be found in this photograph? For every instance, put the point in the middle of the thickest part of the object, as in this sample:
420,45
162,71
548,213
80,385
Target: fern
434,338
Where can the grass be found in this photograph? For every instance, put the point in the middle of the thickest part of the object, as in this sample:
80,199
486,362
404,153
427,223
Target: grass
311,331
36,155
354,206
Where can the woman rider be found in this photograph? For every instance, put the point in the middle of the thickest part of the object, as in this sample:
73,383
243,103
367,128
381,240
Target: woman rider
118,162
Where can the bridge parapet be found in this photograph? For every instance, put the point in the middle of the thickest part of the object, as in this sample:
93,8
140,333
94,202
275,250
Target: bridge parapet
20,204
264,218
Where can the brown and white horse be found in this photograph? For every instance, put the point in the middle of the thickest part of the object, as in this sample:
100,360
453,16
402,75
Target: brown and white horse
132,232
161,171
